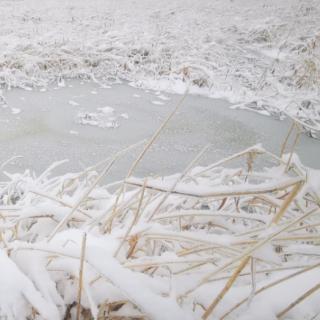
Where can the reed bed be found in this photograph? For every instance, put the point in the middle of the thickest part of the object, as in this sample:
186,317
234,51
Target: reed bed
266,59
237,239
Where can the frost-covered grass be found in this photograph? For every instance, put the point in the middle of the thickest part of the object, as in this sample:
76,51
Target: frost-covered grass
225,241
263,55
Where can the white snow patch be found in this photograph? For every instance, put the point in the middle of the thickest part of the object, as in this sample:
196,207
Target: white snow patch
73,103
156,102
15,110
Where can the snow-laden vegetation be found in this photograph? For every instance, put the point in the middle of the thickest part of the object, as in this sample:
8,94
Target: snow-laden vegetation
237,239
225,241
263,55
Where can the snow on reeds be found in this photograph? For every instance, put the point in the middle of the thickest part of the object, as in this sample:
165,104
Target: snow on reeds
237,239
262,56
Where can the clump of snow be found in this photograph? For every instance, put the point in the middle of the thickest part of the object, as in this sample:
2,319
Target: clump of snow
163,97
104,118
157,102
73,103
15,110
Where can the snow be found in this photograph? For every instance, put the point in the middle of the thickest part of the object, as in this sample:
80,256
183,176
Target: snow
157,102
73,103
105,117
211,190
154,258
16,289
260,54
15,110
159,247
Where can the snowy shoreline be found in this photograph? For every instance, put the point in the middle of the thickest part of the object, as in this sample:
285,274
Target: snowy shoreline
262,56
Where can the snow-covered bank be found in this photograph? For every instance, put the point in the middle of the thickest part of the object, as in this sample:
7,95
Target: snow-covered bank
216,243
264,55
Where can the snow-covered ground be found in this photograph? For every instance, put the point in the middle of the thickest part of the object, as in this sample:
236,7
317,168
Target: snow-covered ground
264,55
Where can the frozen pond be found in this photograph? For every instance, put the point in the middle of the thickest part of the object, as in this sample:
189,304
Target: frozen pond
43,126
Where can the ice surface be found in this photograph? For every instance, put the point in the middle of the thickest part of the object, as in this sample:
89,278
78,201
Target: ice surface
47,129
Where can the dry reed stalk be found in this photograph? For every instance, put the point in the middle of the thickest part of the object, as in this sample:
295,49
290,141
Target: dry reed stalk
253,272
134,221
155,136
86,194
184,173
41,194
50,216
254,232
102,162
293,167
250,250
284,143
255,149
199,248
283,312
219,248
270,285
226,288
145,264
261,271
287,202
299,238
187,269
245,189
108,224
82,259
250,161
124,205
268,200
185,238
298,134
209,214
78,203
306,226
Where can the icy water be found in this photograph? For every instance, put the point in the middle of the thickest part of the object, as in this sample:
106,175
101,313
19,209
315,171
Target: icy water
43,127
